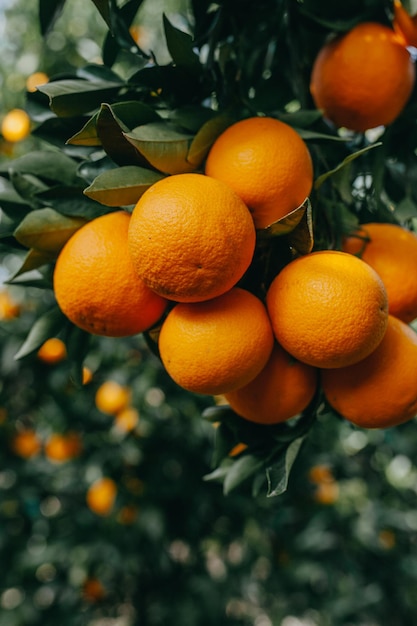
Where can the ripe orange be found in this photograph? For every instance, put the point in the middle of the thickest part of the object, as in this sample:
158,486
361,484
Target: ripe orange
364,78
15,125
9,309
36,79
59,448
284,388
112,397
218,345
327,493
191,237
101,496
26,443
405,25
381,390
95,283
93,590
392,251
127,419
328,308
52,351
267,164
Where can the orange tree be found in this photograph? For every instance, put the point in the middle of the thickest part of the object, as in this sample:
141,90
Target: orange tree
111,136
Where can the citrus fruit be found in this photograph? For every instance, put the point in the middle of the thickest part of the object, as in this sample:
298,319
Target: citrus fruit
95,283
59,447
101,496
284,388
363,78
381,390
36,79
328,308
112,397
15,125
405,25
218,345
26,443
52,351
267,164
191,237
392,252
9,309
127,419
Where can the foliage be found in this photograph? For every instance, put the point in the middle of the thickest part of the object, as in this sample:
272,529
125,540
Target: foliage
105,131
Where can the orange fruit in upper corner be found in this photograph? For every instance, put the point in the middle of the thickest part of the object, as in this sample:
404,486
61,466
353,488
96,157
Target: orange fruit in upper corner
392,252
101,496
328,308
95,283
381,390
405,25
363,78
283,389
15,125
267,163
218,345
112,397
191,237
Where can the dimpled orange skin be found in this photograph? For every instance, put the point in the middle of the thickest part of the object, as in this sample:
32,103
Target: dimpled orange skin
218,345
268,165
363,78
381,390
392,251
191,238
284,388
328,309
95,283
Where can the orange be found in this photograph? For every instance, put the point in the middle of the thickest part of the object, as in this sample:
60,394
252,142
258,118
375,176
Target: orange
95,283
267,164
9,309
392,251
191,237
52,351
381,390
363,78
320,474
87,375
101,496
93,590
112,397
60,448
328,308
327,493
215,346
35,79
15,125
284,388
26,443
127,419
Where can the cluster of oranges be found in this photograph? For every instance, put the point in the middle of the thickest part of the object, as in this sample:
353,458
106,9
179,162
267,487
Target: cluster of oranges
331,320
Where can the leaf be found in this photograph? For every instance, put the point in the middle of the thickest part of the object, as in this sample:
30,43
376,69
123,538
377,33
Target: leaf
113,121
103,7
351,157
45,327
301,238
78,343
205,138
290,222
87,136
163,147
49,165
75,96
46,230
27,186
278,473
49,11
241,469
33,260
71,201
11,203
122,185
180,47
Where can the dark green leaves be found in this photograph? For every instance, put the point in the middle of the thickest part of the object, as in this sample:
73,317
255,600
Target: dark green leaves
76,96
48,325
121,186
180,46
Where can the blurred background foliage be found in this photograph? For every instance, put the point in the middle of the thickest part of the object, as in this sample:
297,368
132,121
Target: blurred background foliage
337,549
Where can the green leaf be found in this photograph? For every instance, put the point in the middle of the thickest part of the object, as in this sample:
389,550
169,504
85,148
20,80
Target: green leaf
298,224
46,230
33,260
241,469
205,138
103,7
27,186
87,136
113,121
74,97
180,47
278,473
163,147
351,157
71,201
11,203
49,11
45,327
122,186
49,165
